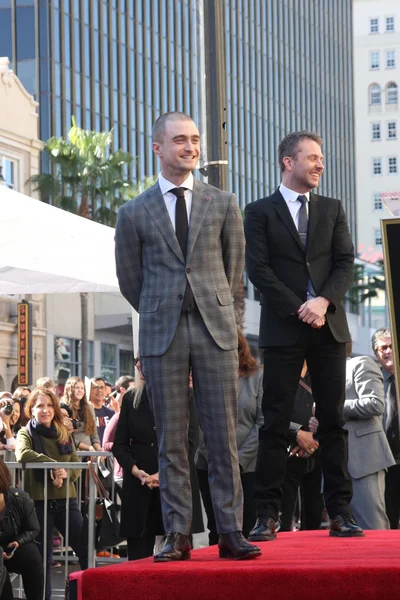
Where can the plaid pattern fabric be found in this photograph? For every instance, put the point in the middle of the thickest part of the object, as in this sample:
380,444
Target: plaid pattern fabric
152,273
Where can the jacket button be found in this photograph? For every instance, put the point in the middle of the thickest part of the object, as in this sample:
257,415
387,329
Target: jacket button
180,297
154,428
308,264
151,444
188,270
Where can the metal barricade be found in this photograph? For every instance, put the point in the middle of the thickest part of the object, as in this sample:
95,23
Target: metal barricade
18,470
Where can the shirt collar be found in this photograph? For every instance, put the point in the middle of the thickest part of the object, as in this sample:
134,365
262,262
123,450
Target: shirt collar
167,186
290,195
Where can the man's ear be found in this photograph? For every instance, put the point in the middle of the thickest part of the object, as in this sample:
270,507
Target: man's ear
156,148
288,162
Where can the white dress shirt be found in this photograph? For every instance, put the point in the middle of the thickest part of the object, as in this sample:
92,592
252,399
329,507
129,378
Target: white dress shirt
170,198
294,205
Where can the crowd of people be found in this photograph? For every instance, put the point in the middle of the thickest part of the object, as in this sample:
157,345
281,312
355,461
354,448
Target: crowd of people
41,427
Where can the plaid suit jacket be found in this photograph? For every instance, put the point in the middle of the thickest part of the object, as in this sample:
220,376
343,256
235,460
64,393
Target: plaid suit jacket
152,271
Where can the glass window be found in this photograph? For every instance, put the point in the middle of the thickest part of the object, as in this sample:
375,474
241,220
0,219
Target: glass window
376,131
374,60
392,93
6,30
374,25
375,94
377,166
26,71
377,237
389,24
378,204
8,172
25,22
393,165
68,359
109,361
126,366
392,130
390,59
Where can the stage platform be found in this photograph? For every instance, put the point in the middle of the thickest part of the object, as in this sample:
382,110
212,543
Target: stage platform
306,564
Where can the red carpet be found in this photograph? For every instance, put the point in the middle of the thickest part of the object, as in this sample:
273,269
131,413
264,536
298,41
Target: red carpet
308,565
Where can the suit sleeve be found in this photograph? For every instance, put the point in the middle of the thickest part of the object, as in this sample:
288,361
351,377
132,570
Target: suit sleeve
341,275
368,384
280,297
248,450
232,239
121,447
128,258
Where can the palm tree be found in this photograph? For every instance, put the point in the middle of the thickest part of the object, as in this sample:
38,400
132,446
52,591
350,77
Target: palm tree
364,287
88,179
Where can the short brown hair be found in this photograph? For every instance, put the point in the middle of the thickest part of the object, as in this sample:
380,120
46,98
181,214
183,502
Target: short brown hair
124,382
159,125
289,144
46,383
5,477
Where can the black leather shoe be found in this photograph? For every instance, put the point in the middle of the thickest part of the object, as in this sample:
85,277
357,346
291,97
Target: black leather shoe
176,546
235,545
263,531
344,525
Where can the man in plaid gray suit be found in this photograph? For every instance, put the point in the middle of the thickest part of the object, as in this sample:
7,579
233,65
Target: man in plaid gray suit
180,257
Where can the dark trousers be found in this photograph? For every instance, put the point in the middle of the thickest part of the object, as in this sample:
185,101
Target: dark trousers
249,504
28,563
304,474
326,361
392,496
141,547
56,517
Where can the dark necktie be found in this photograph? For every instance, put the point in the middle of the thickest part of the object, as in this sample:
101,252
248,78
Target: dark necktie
303,226
182,232
303,220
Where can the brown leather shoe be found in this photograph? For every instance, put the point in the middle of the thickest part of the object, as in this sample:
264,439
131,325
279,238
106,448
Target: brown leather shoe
344,525
235,545
176,546
263,531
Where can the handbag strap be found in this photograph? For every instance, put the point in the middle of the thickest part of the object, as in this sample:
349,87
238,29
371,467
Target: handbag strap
101,490
305,386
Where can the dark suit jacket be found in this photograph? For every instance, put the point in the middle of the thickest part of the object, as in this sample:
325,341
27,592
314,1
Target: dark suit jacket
279,267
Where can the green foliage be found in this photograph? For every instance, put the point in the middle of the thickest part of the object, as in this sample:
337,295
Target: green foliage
86,178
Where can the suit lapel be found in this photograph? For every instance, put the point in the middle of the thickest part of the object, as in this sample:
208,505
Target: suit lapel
155,206
313,218
201,201
284,213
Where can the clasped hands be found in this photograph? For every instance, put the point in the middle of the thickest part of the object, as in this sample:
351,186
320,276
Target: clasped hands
150,480
306,444
59,476
313,312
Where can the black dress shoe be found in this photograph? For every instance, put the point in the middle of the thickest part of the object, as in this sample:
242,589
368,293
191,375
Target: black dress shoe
235,545
344,525
176,546
263,531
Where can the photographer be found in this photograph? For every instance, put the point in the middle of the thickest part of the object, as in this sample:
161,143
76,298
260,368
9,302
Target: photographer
7,440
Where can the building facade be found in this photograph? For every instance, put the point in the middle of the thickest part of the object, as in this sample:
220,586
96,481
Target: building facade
376,93
121,63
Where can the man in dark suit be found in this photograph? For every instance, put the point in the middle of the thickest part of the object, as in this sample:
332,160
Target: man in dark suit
180,257
299,255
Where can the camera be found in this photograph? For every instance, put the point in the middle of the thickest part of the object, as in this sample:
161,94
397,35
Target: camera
7,408
75,423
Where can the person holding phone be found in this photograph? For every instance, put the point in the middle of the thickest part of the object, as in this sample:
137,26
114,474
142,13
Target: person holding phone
18,528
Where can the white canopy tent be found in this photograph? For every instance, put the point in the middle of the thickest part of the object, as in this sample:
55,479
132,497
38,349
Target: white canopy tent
44,249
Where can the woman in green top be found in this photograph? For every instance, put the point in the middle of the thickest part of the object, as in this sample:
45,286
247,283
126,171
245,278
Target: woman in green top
46,439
